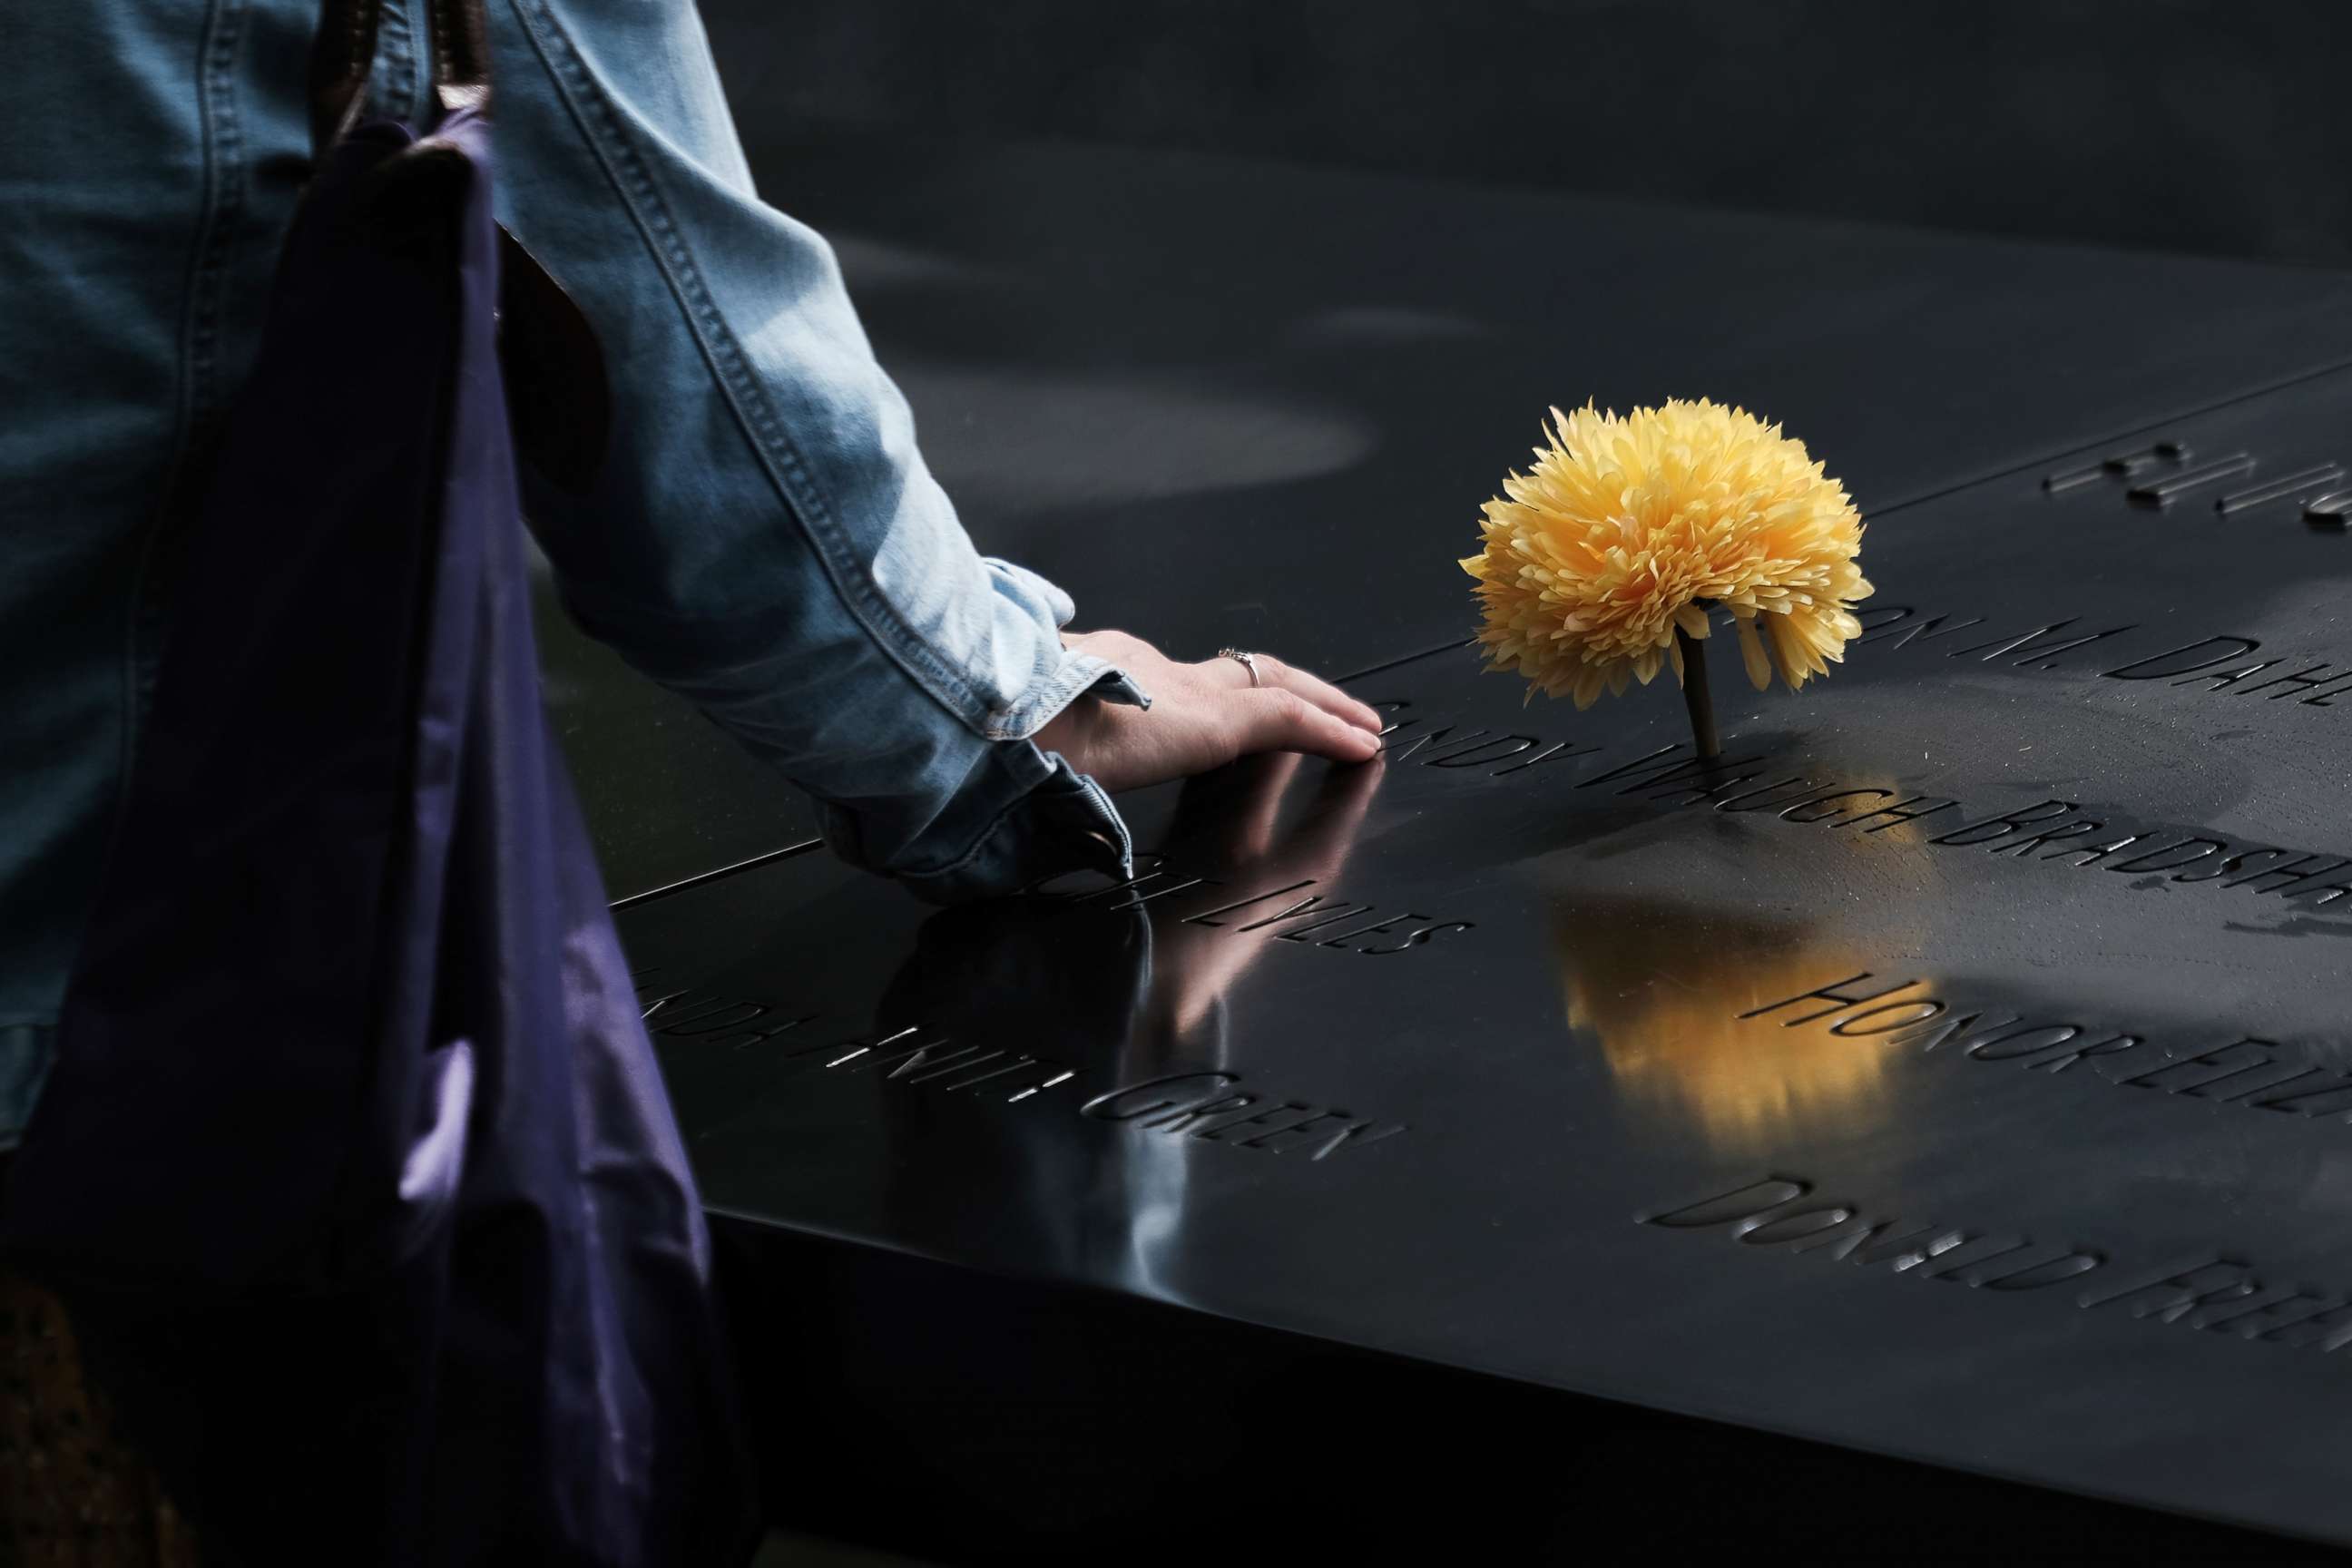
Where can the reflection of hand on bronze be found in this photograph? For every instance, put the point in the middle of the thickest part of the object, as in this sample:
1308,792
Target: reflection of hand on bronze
1228,824
1062,977
1024,973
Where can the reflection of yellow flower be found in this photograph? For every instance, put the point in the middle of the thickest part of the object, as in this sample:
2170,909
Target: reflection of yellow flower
1625,525
1663,987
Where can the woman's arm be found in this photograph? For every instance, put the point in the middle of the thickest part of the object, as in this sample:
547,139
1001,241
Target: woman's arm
764,536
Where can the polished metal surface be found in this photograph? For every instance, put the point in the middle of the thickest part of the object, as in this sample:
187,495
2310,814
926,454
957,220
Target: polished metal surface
1956,1069
1233,404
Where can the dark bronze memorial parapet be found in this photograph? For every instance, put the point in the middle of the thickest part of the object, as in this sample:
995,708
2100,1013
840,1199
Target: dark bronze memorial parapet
1955,1072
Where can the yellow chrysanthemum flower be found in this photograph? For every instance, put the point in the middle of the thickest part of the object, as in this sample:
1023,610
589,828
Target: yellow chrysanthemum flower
1627,528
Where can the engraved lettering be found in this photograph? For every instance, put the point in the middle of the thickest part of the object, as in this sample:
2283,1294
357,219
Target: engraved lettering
1137,898
2316,1102
2024,644
1149,867
2328,1329
1202,918
1065,1075
2171,658
2292,871
1329,917
2004,825
2264,1319
1790,814
1648,762
1794,1226
1943,1034
1270,1117
1740,1202
1082,883
2171,1296
1112,1106
929,1059
1963,1265
1424,738
1730,803
2319,892
2092,854
2276,1074
1266,1141
1895,813
1716,792
1177,1121
1887,1242
1356,1135
688,1015
1922,631
2300,679
1425,934
2039,1275
1469,758
1982,1051
1690,777
769,1032
2183,1075
1346,937
2217,679
1559,751
2203,848
2246,1097
656,1005
2113,1045
1307,905
1831,993
1020,1063
2022,849
1845,1026
712,1022
1044,1067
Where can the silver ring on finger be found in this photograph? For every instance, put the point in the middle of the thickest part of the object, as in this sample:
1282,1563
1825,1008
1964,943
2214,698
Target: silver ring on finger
1246,660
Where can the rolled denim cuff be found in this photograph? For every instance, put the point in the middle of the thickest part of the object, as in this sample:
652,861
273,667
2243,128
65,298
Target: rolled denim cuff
1068,675
1025,817
1022,813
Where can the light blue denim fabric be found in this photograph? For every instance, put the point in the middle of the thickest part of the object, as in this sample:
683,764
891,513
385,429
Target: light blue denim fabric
763,537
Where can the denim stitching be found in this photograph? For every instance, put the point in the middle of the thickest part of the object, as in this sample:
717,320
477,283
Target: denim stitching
1024,719
609,140
222,203
396,61
1089,793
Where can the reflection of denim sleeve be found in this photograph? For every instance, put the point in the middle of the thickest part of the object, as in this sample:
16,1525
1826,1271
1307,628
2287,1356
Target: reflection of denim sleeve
764,538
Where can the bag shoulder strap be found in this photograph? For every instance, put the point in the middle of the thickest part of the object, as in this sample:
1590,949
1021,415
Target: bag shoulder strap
343,56
559,398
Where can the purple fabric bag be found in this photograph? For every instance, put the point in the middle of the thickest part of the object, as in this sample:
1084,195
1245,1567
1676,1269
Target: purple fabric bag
355,1168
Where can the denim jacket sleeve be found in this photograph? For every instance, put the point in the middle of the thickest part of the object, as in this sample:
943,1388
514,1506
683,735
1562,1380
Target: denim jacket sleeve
762,536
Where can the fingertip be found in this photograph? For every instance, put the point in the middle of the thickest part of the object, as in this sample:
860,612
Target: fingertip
1335,738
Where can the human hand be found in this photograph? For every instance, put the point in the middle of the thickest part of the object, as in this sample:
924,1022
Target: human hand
1203,716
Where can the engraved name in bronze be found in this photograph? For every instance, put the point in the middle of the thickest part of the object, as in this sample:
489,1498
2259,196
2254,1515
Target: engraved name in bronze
2250,1072
2208,1292
1207,1107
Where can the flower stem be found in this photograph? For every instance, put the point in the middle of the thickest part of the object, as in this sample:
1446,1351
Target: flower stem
1695,697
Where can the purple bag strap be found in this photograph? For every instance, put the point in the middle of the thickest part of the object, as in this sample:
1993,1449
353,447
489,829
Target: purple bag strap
560,401
343,56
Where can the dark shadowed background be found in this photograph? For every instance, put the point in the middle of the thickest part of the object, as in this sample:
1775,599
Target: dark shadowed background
2216,127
